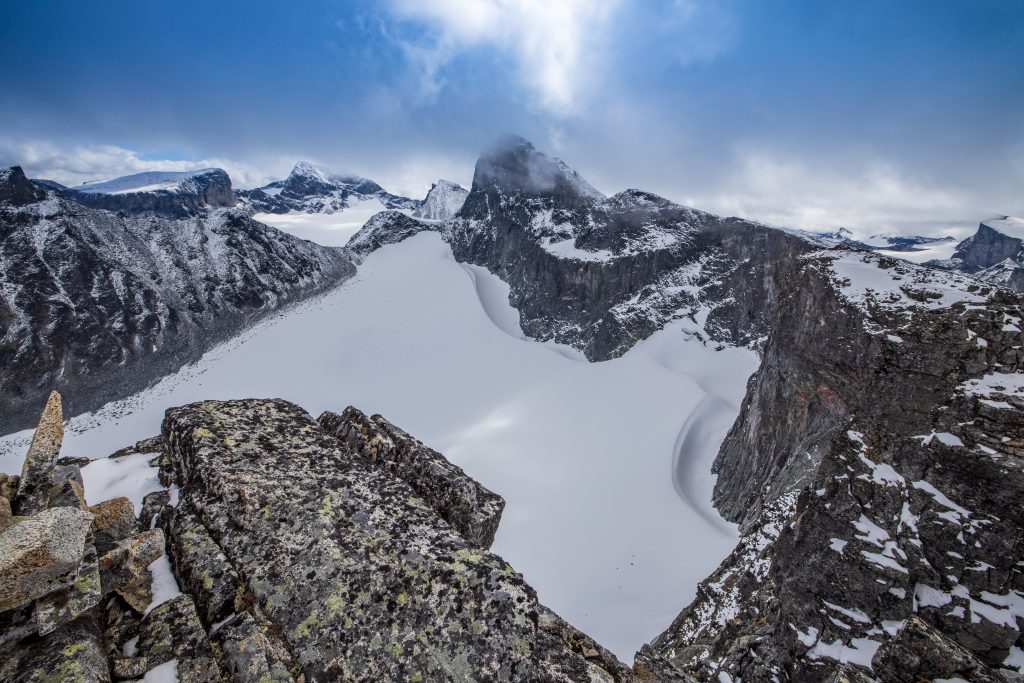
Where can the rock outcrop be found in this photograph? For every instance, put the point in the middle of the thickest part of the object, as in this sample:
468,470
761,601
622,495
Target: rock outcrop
98,303
338,549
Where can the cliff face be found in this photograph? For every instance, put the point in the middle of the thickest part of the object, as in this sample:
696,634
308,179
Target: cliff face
901,554
995,253
173,195
99,304
304,550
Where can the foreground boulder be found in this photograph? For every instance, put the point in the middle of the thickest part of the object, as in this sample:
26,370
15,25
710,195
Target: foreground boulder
359,575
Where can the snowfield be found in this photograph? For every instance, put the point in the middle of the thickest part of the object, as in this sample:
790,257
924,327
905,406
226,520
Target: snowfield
328,229
605,466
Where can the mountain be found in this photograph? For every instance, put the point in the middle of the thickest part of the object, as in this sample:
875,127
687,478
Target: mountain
995,253
99,303
442,202
168,194
898,242
311,189
876,451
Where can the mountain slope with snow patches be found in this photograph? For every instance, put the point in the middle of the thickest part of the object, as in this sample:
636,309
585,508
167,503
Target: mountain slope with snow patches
98,303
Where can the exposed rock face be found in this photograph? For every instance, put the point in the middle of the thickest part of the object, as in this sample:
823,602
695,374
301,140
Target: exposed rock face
99,304
352,548
311,189
901,523
303,555
386,227
172,195
443,201
35,482
995,253
469,507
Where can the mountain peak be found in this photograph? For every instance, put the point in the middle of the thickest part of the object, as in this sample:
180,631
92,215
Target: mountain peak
18,190
514,166
443,201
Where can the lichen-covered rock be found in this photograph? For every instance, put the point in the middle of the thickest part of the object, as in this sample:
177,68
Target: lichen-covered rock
919,652
60,607
173,631
125,568
41,554
252,654
67,488
153,506
461,501
357,573
73,654
114,521
34,485
201,568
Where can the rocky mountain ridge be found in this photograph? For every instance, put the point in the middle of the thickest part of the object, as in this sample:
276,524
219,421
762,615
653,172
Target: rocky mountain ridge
166,194
301,550
99,303
852,343
310,189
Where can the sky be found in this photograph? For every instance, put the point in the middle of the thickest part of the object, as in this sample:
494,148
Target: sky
876,115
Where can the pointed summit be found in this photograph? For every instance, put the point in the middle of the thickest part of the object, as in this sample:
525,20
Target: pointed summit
513,166
34,485
443,201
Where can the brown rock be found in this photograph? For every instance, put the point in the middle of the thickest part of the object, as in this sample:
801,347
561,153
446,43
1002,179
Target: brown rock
41,554
124,569
115,521
34,486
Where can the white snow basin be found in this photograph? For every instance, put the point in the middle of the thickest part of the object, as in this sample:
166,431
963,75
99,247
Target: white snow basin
582,452
327,229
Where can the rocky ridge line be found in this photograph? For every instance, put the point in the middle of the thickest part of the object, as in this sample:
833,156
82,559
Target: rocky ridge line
301,556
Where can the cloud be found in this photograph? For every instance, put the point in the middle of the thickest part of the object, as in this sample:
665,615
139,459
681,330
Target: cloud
875,197
555,45
75,164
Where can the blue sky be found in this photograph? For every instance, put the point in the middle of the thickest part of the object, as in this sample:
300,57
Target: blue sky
879,115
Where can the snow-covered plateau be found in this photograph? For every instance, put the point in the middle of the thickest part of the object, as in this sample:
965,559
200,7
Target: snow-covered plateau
589,456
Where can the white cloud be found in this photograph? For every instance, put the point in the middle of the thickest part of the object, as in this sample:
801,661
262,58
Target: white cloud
556,44
877,197
75,164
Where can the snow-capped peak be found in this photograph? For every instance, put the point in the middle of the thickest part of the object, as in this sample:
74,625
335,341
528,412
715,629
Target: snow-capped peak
443,201
1007,225
304,169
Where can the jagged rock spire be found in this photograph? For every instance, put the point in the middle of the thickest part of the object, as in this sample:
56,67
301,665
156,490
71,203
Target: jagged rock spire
35,483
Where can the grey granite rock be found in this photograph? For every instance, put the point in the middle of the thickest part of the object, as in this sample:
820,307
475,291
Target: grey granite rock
71,654
41,554
35,482
173,631
348,564
201,568
462,502
114,520
125,568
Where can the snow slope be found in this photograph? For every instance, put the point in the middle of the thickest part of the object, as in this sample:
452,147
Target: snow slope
327,229
150,181
584,453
